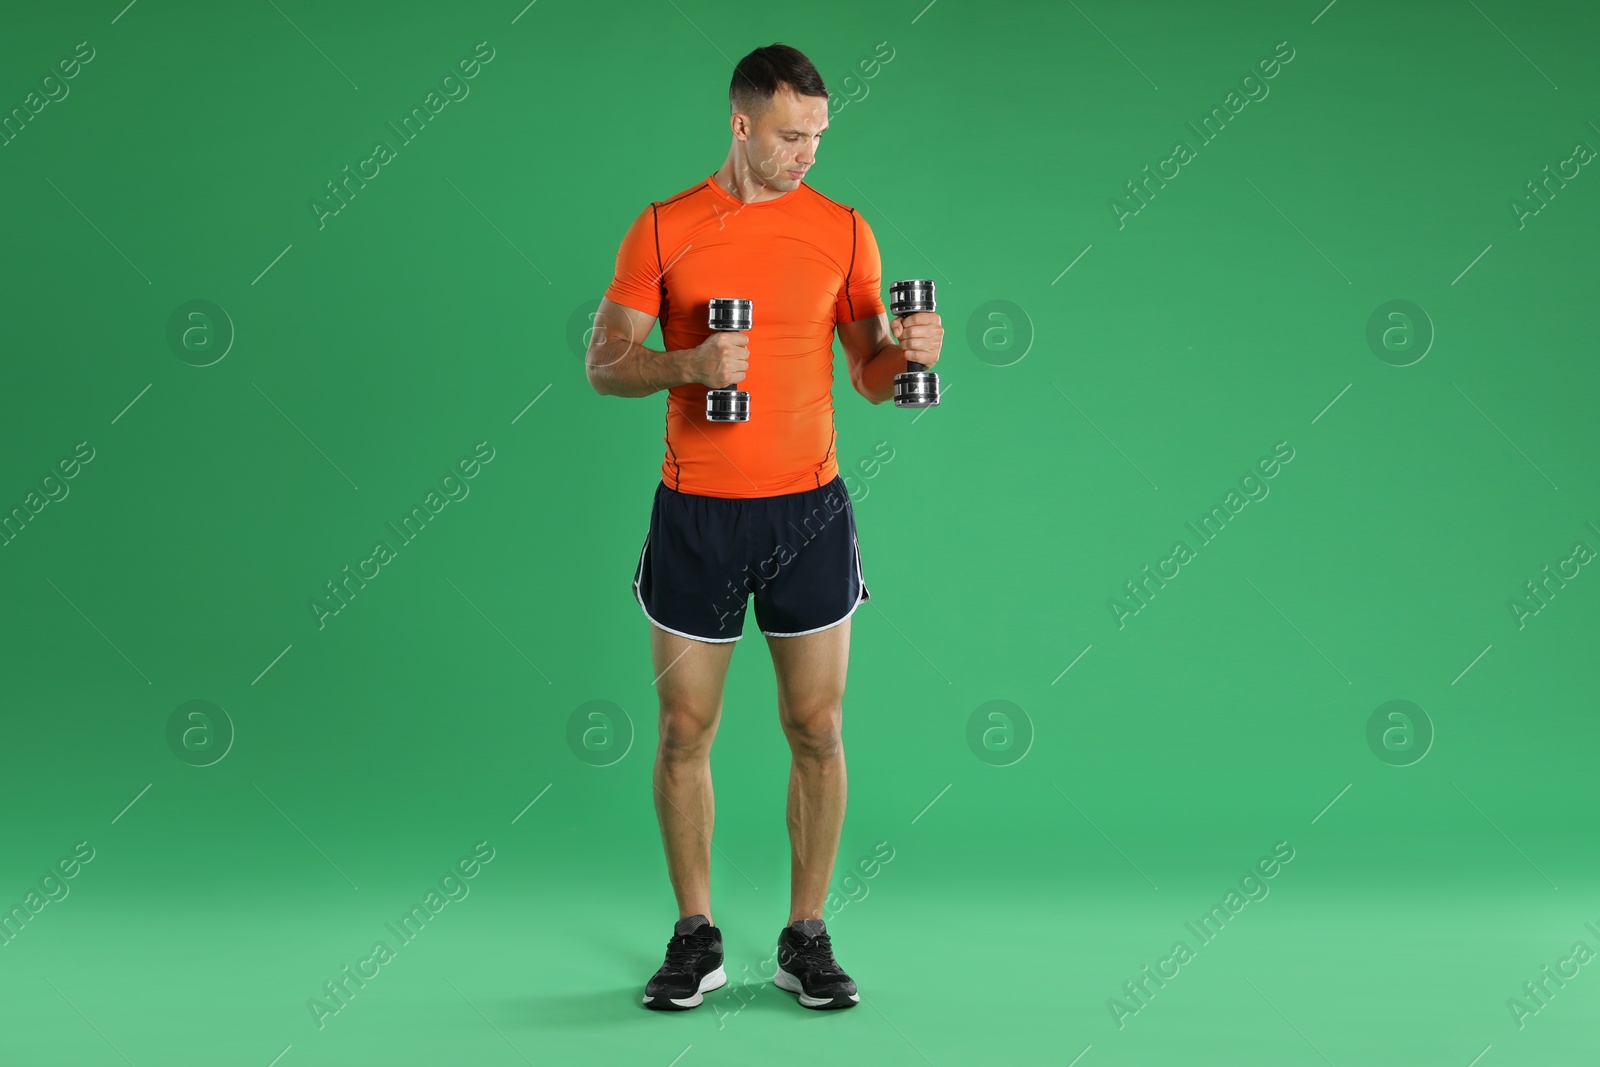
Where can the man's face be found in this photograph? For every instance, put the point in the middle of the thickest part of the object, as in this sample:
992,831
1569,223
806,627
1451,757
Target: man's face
781,145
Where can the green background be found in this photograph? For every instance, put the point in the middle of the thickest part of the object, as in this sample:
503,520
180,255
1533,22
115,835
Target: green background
1231,713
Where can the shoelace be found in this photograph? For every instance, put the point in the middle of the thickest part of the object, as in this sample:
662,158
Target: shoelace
684,952
817,952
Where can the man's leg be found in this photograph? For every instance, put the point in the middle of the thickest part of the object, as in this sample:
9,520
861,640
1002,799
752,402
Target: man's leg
811,675
690,676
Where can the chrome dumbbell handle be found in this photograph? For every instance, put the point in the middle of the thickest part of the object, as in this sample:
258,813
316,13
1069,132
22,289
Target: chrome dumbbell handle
733,314
916,386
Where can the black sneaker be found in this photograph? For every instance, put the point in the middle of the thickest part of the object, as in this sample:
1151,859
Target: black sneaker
806,966
693,966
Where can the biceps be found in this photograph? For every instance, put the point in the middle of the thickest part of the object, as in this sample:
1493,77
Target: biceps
612,320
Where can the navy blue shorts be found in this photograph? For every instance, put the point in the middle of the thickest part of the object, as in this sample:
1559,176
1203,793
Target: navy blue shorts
705,556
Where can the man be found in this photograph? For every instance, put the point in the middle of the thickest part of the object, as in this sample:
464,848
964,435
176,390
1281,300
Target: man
753,507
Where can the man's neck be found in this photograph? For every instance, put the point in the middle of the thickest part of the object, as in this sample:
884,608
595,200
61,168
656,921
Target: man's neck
744,186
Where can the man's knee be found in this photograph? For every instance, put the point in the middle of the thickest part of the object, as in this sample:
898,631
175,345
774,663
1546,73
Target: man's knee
815,732
687,729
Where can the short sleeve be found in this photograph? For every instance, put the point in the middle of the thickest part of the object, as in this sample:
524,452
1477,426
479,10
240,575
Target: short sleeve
860,297
637,281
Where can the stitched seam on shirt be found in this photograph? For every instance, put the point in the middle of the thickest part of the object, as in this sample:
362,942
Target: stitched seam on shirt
661,272
817,474
681,195
851,304
677,476
831,200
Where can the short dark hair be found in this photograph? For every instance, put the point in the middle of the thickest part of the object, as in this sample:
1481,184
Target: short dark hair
757,77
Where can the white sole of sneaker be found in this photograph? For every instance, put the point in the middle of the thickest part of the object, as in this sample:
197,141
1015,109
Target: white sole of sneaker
789,983
715,980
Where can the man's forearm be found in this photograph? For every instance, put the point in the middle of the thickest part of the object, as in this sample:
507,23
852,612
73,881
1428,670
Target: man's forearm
877,374
621,368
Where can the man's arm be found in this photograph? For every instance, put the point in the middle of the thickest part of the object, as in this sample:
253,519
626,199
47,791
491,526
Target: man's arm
618,363
875,358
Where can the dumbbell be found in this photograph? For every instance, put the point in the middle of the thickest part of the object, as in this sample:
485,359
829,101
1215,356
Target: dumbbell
730,404
916,386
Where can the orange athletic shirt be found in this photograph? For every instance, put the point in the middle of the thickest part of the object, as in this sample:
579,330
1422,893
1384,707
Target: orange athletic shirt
805,262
